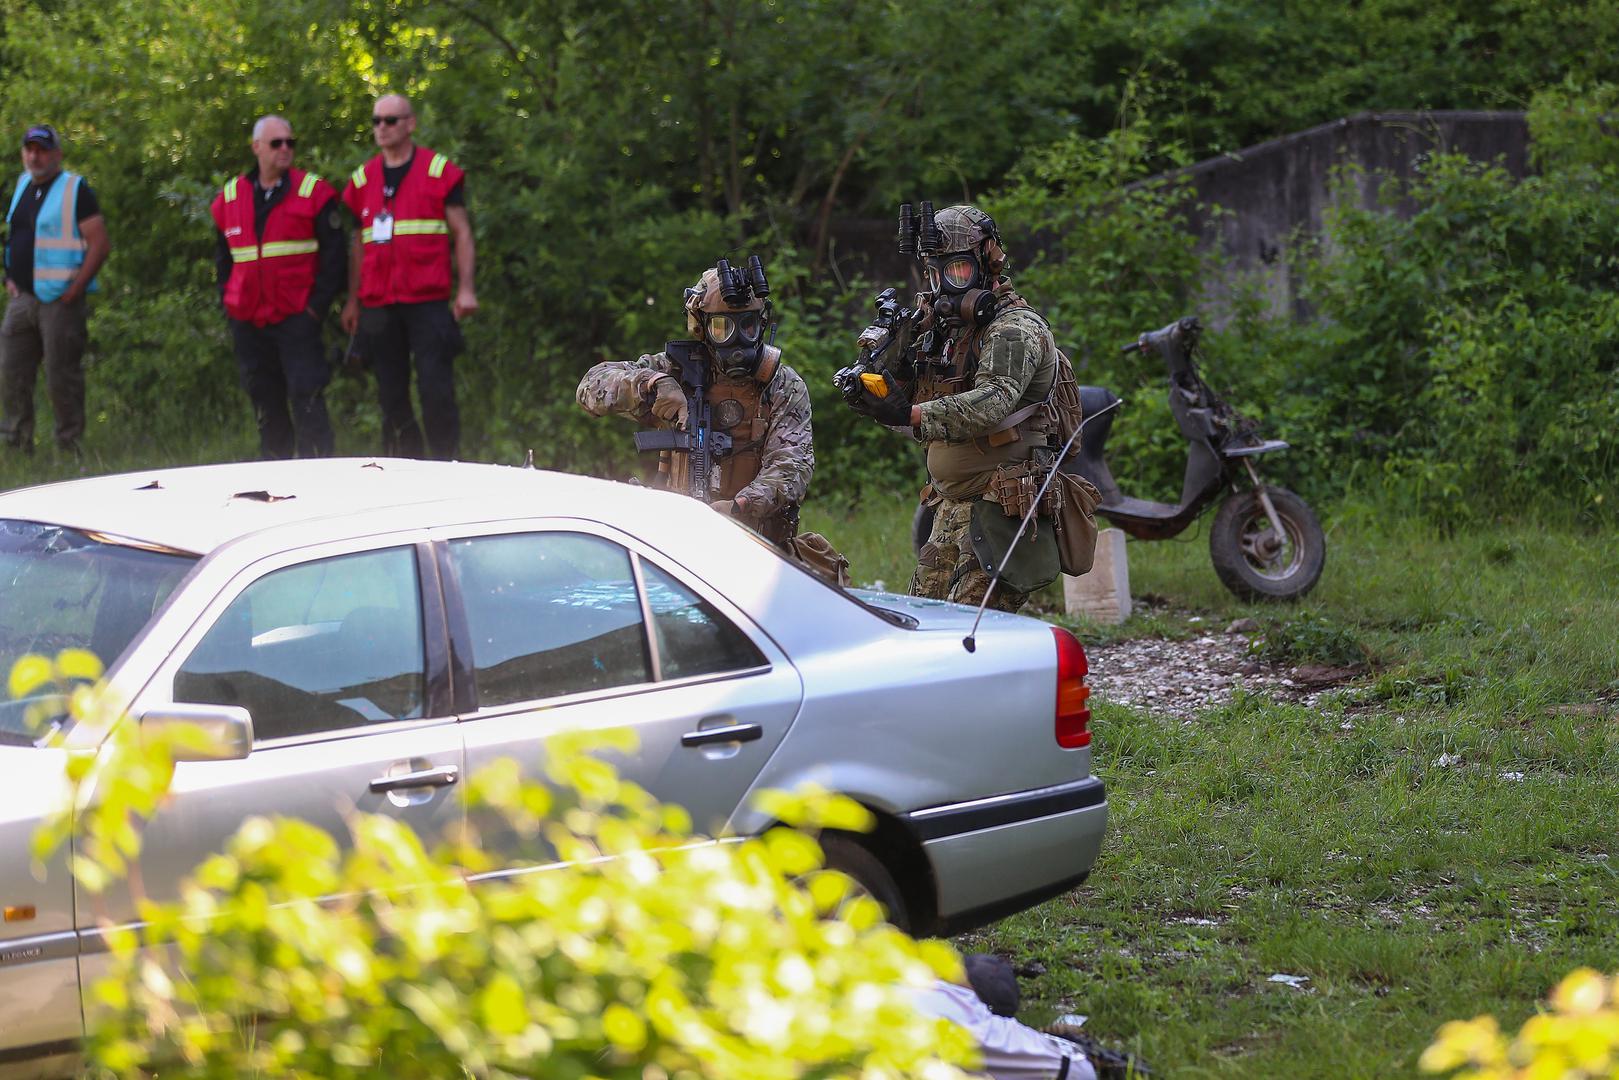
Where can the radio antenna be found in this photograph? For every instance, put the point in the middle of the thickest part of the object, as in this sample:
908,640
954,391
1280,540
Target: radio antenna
970,642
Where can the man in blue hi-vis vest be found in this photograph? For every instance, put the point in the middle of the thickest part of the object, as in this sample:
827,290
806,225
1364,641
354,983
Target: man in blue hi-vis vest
56,242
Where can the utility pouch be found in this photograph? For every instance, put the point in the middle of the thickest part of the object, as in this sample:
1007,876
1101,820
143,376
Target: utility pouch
1029,564
816,553
1075,521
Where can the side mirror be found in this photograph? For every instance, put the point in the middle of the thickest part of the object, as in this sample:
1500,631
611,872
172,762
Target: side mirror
202,732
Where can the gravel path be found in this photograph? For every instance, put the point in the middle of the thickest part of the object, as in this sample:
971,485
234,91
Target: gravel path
1182,678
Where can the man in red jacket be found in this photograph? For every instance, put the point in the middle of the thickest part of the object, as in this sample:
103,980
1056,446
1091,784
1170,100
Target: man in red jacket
280,264
411,209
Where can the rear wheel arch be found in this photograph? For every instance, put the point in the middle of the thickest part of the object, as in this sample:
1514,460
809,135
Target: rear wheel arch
900,855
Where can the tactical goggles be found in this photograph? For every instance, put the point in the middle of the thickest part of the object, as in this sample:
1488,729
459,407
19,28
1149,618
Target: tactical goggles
952,272
731,327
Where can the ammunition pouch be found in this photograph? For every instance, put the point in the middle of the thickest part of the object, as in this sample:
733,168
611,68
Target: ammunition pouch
1014,488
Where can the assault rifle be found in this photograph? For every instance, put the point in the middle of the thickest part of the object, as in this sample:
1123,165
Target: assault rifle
704,445
899,325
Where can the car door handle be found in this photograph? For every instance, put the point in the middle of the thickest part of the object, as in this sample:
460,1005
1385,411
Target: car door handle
443,776
728,733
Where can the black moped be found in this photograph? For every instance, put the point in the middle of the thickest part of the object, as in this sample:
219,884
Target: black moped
1265,542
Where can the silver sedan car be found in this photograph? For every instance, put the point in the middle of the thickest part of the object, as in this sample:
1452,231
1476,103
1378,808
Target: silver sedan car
362,634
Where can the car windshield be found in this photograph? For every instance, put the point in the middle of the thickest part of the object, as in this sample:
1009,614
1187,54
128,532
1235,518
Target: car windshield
64,588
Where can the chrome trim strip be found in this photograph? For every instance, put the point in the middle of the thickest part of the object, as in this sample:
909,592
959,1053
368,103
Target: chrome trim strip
992,800
358,731
632,690
14,952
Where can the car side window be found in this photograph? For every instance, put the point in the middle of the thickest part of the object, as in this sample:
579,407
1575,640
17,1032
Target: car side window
550,614
321,646
693,637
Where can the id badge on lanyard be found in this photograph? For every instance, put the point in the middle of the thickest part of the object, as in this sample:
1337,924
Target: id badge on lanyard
382,228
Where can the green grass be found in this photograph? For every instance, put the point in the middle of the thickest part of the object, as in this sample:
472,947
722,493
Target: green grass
1269,838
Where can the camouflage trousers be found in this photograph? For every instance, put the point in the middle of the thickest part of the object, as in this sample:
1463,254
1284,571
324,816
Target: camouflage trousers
947,568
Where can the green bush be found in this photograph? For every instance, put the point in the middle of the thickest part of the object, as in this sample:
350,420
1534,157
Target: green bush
652,953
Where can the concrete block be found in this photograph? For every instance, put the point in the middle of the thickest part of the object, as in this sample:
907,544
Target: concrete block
1104,593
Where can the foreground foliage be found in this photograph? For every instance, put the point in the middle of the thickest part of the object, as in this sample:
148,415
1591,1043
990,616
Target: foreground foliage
296,953
1577,1039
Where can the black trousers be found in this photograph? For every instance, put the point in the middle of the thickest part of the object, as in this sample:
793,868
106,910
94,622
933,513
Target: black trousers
389,337
285,372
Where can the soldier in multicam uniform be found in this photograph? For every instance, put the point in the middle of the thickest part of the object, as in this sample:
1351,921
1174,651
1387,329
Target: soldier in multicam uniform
760,402
980,401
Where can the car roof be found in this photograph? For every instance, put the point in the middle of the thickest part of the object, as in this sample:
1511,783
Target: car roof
202,508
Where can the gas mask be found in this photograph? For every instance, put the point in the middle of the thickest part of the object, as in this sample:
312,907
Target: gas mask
728,310
960,252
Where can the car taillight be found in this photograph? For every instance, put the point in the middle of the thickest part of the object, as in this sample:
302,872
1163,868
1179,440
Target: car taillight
1073,724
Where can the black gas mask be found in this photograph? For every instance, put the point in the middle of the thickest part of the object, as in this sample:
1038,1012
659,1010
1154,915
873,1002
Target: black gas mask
734,321
952,261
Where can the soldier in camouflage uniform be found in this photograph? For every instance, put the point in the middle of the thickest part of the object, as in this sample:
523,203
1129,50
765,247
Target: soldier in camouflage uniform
760,402
979,404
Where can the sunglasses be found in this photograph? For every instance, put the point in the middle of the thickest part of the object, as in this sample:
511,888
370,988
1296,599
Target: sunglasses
276,144
389,120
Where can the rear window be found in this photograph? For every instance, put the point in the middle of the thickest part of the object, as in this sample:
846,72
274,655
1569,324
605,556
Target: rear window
64,588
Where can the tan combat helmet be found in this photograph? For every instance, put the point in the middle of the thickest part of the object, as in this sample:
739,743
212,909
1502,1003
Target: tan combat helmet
705,298
728,310
967,228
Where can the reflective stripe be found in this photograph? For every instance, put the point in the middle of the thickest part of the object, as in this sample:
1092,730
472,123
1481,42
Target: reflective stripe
412,227
243,254
359,177
436,168
307,188
288,247
230,189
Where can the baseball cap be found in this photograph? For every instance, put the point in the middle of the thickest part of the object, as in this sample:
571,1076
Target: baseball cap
994,981
43,134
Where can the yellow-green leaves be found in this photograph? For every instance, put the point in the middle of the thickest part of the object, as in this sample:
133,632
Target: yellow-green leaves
1576,1039
656,954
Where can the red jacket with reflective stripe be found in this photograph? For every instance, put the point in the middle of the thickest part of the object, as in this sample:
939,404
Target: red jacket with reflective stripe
271,275
413,266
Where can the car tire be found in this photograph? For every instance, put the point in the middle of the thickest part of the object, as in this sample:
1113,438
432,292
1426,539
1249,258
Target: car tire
849,855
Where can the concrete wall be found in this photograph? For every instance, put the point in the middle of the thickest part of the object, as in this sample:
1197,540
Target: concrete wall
1250,202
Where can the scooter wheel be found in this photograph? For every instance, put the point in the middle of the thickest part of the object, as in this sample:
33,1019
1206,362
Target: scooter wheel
1256,564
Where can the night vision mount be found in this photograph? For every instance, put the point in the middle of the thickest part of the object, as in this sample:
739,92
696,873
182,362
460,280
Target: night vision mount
738,286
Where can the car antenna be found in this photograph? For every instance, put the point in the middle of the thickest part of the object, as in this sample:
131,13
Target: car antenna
970,642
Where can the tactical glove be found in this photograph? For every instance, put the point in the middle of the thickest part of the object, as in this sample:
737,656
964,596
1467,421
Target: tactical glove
892,409
668,400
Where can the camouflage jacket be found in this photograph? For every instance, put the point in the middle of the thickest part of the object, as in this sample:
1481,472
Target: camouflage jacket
1017,364
787,457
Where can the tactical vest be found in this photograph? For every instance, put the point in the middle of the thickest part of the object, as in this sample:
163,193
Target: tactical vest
272,275
962,470
413,266
739,409
58,246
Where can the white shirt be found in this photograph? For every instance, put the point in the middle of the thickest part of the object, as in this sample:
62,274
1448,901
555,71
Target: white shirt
1011,1051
